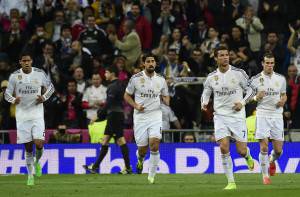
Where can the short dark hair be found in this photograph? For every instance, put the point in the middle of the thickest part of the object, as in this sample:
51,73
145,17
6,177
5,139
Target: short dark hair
72,81
113,69
65,26
219,48
268,54
145,56
25,53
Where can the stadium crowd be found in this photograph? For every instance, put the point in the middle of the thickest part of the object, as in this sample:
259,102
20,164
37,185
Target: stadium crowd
74,41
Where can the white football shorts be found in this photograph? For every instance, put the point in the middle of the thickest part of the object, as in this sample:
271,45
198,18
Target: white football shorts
269,128
230,127
145,130
29,130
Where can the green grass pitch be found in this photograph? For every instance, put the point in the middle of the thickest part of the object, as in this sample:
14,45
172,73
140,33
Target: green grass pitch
190,185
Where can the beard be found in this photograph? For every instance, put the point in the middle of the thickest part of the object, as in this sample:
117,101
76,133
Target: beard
150,70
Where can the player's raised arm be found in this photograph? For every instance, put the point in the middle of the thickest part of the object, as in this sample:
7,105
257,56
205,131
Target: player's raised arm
10,90
206,94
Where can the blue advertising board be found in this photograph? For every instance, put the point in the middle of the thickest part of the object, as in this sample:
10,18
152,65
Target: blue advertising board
175,158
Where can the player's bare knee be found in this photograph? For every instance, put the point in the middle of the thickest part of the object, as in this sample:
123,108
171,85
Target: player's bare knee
242,151
154,147
224,148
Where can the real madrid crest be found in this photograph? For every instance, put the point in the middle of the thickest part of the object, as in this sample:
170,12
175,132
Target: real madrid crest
142,81
232,81
216,78
276,84
20,77
261,81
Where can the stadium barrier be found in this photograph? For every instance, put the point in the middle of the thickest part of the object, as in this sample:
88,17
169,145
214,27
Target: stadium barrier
175,158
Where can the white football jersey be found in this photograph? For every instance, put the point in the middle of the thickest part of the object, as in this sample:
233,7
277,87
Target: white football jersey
27,87
227,89
147,91
274,86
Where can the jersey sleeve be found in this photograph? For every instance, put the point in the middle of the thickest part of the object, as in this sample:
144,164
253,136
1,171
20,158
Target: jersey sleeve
48,85
206,92
8,95
246,85
283,86
130,89
165,89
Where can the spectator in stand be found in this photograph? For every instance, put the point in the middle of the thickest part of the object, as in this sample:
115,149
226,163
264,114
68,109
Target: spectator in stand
175,42
196,65
252,27
98,67
5,67
81,83
142,26
6,120
130,46
273,45
198,32
61,135
120,63
105,11
163,46
53,27
6,22
169,66
72,11
49,63
272,14
233,10
180,17
70,105
208,46
166,21
80,57
94,97
240,46
186,48
7,5
37,41
293,95
94,38
294,45
188,137
43,12
63,45
13,40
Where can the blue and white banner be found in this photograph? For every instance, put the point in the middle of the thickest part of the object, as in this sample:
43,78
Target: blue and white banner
175,158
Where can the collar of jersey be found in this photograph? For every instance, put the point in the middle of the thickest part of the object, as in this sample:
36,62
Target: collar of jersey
148,76
225,72
263,74
26,73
